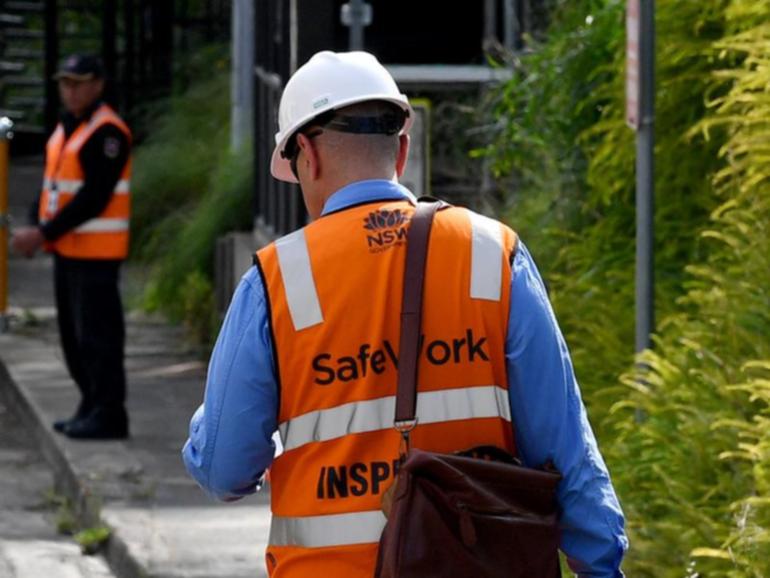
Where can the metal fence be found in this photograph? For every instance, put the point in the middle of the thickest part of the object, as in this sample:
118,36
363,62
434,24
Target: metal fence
138,40
278,207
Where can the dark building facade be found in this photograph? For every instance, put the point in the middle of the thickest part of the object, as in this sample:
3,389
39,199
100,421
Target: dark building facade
436,51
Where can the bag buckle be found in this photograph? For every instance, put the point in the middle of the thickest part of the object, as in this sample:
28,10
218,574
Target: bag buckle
404,427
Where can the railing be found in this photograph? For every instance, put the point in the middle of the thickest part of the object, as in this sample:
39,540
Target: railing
279,208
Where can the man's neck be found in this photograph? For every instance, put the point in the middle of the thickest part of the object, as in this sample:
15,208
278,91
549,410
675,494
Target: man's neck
71,121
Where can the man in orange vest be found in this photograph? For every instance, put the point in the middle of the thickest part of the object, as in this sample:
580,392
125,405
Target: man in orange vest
83,219
309,347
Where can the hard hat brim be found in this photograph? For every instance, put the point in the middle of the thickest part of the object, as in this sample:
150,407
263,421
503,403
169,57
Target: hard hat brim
280,167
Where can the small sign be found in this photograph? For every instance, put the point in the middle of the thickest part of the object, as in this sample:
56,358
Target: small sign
416,177
633,87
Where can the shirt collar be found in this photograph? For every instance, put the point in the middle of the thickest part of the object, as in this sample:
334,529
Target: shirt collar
71,122
367,191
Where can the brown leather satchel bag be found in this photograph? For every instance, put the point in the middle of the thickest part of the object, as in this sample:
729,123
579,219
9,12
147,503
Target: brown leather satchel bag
474,514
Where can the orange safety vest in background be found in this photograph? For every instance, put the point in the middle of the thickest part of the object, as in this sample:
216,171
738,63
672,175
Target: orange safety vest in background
335,290
106,235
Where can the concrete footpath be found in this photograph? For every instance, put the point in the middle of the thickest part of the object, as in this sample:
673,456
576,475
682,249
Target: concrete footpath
162,525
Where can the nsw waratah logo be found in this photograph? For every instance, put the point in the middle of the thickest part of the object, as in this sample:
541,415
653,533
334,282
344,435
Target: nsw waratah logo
384,219
386,228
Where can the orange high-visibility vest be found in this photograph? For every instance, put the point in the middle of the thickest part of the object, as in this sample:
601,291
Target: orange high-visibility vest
335,290
106,235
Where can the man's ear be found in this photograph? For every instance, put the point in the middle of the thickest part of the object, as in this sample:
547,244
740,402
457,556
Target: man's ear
403,154
311,158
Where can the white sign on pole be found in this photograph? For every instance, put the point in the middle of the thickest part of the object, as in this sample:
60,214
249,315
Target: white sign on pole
633,88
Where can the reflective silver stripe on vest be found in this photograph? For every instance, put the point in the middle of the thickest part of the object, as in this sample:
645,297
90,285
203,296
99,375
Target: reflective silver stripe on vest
69,186
122,187
486,258
377,414
72,185
103,226
324,531
301,295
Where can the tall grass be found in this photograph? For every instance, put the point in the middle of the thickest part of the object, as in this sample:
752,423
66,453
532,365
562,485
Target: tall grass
190,188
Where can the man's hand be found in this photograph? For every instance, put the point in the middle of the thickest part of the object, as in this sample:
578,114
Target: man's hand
27,240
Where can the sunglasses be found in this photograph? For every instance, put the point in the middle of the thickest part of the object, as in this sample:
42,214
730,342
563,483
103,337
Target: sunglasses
291,150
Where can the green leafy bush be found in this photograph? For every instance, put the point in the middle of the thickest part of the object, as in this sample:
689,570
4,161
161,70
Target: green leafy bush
699,481
686,430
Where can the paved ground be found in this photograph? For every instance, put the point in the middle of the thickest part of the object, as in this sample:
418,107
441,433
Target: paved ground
162,524
30,546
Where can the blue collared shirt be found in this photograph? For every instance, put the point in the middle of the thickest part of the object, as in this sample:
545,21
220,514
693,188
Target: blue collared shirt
231,434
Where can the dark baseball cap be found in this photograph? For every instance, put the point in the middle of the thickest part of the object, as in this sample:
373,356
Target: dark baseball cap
80,67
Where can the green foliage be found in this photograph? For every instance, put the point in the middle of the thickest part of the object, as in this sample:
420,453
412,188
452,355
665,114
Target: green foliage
172,167
189,190
700,481
701,476
92,540
686,430
190,244
65,519
565,139
199,308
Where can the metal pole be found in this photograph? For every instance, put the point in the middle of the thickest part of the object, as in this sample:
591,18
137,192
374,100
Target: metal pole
109,50
128,57
6,133
356,28
645,190
356,15
242,78
51,63
490,21
511,26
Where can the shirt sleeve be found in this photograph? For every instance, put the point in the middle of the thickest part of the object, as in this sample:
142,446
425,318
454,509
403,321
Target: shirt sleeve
103,157
230,443
550,423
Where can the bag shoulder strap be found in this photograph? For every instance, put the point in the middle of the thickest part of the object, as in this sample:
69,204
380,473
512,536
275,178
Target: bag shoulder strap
411,312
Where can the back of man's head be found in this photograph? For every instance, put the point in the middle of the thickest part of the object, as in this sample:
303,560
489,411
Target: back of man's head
361,153
331,84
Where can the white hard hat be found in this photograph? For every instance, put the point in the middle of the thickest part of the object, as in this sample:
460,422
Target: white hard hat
328,81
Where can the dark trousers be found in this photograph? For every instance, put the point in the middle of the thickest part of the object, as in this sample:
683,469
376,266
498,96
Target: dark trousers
92,329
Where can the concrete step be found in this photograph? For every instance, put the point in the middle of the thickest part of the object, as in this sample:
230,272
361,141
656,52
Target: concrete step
163,526
23,34
28,128
24,6
9,66
16,80
11,19
33,102
20,53
13,114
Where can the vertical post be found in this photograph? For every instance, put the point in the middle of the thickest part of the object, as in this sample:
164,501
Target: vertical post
142,48
490,22
162,44
511,25
51,63
6,132
645,164
242,77
356,15
109,50
128,57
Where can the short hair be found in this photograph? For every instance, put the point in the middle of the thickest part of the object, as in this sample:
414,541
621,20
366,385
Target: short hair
366,148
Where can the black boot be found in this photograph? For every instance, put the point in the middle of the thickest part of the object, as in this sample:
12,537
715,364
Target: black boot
101,424
83,410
